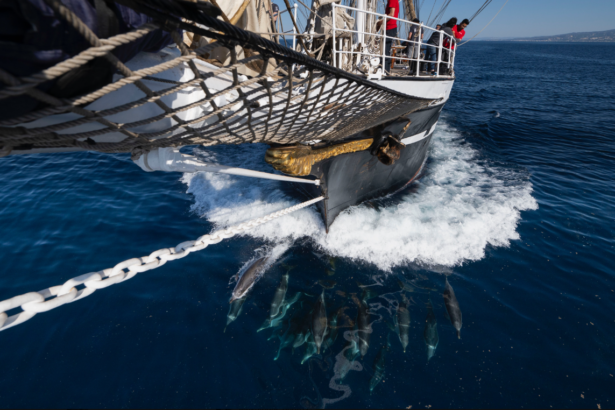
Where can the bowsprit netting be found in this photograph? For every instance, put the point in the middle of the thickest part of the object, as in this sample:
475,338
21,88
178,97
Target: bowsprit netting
182,98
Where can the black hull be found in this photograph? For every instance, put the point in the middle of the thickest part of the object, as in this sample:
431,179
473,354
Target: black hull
349,179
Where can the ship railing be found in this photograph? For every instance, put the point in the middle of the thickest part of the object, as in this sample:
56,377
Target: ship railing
367,36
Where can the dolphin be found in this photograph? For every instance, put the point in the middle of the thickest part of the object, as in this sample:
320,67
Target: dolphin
431,332
273,322
333,329
234,311
278,297
301,338
249,278
319,321
452,307
310,350
379,366
287,339
403,322
364,327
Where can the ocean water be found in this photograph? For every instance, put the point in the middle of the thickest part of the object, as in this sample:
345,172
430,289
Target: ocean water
514,209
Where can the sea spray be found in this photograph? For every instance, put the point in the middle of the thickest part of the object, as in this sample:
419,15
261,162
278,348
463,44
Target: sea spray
461,205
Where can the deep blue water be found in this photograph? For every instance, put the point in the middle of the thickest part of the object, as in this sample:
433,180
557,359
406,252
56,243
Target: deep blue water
516,208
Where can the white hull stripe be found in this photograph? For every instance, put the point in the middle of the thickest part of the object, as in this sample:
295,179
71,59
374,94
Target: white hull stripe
418,137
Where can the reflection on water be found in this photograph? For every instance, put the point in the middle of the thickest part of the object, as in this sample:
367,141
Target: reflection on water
306,317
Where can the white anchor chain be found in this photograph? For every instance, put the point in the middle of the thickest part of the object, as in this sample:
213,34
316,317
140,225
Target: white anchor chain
47,299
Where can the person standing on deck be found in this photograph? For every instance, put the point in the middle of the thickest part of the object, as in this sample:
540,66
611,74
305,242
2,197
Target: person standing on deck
460,30
433,44
413,48
391,10
274,13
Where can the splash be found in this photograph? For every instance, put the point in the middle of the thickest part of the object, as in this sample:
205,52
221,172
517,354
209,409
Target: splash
461,205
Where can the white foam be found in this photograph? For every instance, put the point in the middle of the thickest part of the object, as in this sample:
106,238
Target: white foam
458,208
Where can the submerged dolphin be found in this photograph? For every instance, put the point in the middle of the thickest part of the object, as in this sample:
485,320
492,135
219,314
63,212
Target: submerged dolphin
333,329
278,297
273,322
310,350
403,322
249,278
431,332
452,307
379,366
234,311
319,321
364,328
302,337
287,339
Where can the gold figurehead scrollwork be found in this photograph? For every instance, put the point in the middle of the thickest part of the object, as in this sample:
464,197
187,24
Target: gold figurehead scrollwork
297,160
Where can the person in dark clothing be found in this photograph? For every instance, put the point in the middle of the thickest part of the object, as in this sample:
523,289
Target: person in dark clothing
434,43
448,43
275,11
392,10
413,49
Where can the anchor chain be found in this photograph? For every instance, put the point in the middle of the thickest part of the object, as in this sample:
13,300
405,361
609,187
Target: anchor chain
84,285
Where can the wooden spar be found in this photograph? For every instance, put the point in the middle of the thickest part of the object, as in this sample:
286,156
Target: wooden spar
409,11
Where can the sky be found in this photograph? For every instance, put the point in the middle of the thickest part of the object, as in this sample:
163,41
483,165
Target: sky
521,18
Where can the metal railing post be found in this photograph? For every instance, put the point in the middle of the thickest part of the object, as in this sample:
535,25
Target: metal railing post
294,29
418,59
384,45
440,53
333,29
450,54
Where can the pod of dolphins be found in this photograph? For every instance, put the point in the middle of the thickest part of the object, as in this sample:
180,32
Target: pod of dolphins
320,331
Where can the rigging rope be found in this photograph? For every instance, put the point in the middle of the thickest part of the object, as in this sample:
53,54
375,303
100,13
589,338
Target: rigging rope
272,104
480,9
441,12
55,296
496,14
430,13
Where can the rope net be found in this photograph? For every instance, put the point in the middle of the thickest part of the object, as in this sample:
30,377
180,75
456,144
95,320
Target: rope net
181,96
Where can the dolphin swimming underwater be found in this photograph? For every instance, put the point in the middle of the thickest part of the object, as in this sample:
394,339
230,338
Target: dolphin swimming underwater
430,334
249,278
452,307
278,297
379,366
364,327
319,321
234,311
403,322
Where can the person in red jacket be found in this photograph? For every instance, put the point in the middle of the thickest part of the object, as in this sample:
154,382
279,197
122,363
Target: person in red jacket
460,30
392,10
